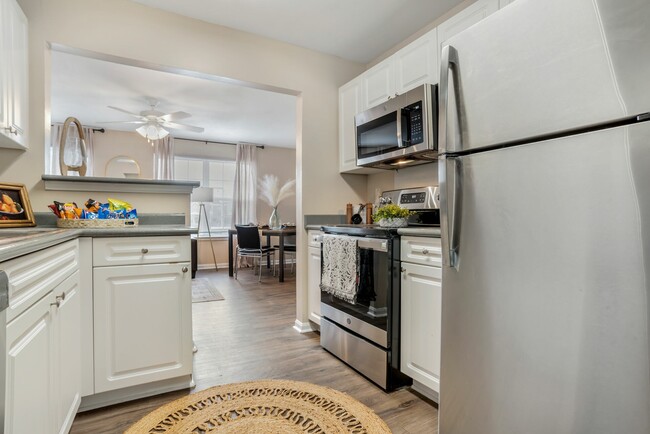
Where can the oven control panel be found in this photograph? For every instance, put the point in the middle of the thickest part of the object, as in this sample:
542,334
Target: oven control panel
421,198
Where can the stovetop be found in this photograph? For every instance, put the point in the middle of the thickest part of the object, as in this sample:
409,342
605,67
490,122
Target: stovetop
366,230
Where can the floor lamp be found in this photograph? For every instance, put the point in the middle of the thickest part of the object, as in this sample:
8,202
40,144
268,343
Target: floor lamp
201,195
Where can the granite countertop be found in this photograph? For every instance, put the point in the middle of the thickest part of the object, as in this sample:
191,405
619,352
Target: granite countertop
16,242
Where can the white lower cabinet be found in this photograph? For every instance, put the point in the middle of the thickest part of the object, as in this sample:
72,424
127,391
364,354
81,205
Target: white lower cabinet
421,315
43,363
313,275
143,324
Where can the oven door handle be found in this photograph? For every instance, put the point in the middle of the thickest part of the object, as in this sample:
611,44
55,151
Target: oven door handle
373,244
377,244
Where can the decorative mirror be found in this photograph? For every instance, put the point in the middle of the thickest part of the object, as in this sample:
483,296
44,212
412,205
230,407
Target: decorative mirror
122,166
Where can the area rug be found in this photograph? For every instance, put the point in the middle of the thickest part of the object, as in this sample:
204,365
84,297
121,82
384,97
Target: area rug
204,290
263,407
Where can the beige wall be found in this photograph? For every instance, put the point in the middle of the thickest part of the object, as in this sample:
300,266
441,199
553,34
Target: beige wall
114,143
416,176
282,163
163,38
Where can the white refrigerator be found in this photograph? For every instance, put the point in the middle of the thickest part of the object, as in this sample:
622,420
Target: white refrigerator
545,195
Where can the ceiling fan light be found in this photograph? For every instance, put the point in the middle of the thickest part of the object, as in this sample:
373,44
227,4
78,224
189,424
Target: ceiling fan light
152,132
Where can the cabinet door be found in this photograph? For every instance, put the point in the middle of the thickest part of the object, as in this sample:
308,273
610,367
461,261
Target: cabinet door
465,19
29,388
349,106
67,332
4,67
417,63
14,75
143,324
349,103
19,76
378,84
421,323
313,275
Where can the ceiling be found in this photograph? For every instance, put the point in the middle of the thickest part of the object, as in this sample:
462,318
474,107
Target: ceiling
83,87
358,30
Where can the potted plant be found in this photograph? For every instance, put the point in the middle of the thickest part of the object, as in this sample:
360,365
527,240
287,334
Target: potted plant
391,216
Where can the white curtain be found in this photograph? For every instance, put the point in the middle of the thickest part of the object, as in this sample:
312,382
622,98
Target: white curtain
163,158
52,151
244,207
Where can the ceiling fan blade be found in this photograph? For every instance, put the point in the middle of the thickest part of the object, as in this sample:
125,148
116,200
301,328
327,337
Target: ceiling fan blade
175,126
176,116
125,111
123,122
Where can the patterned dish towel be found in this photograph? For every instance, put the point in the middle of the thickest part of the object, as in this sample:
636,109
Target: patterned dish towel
340,266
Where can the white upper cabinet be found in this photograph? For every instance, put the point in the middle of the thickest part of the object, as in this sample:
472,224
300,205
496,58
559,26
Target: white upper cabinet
14,76
417,63
350,105
413,65
465,19
378,84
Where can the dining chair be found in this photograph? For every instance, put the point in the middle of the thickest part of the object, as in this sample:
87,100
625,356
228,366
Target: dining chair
290,250
249,246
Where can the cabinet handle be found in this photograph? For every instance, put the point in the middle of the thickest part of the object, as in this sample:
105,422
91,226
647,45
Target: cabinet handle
145,251
425,252
184,269
59,299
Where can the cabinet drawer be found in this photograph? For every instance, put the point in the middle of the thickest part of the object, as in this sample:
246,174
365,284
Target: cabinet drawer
314,238
140,250
34,275
420,250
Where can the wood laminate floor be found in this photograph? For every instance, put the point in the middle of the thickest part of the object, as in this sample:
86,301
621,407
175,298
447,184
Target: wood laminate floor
249,336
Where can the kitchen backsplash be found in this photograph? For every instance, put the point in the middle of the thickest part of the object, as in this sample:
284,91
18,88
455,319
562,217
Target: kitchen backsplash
416,176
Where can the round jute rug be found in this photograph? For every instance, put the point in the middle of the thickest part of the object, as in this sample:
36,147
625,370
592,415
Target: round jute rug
263,407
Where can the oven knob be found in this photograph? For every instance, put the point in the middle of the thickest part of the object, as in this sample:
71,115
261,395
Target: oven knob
349,321
425,252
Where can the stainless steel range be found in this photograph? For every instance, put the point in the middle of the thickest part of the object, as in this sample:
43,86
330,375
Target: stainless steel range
360,290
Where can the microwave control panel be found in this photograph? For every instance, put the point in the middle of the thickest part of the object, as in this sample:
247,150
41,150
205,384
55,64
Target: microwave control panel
414,124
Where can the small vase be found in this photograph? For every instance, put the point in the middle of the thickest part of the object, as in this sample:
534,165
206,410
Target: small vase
274,220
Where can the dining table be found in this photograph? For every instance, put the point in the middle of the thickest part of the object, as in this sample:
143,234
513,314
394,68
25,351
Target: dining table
267,232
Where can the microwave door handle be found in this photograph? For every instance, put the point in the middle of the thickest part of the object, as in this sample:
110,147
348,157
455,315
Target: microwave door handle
448,62
400,144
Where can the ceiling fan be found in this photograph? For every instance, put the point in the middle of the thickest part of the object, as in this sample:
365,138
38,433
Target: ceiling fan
154,123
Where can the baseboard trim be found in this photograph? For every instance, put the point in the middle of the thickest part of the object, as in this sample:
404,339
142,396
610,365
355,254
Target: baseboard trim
210,266
302,327
104,399
424,390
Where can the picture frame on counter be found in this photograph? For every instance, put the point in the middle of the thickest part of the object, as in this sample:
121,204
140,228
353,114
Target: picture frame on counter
15,209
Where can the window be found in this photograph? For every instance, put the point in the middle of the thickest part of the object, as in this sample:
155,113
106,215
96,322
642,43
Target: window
218,175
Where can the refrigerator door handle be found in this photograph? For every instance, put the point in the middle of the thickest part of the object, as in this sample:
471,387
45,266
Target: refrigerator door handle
448,62
450,176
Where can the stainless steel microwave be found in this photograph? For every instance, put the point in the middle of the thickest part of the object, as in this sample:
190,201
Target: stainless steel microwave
401,132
